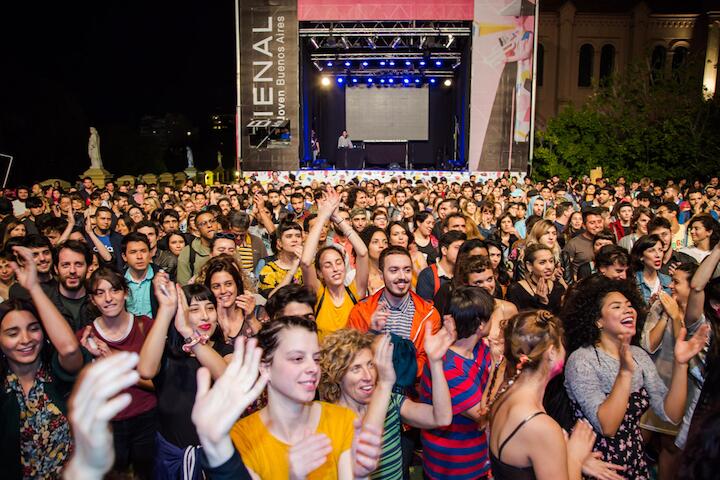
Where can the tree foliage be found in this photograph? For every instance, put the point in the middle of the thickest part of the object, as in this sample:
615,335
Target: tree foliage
639,123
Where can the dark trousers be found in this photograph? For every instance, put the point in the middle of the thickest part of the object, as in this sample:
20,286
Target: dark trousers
134,440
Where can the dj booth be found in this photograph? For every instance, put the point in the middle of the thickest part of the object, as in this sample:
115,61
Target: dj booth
373,153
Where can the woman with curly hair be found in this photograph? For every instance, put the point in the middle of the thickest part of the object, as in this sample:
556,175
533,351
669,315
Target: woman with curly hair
602,317
355,378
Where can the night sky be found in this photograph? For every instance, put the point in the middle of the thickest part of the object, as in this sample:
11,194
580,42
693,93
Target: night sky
66,66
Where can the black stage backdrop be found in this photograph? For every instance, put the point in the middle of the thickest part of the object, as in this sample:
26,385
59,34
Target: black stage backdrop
324,112
269,80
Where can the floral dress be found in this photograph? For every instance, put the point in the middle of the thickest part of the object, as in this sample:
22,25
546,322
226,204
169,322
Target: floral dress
45,439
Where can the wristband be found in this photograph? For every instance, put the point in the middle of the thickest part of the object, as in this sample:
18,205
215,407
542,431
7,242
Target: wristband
190,342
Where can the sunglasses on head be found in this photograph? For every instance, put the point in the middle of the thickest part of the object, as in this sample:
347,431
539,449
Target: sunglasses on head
228,235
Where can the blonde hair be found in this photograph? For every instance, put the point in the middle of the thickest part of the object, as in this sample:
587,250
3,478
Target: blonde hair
540,228
338,351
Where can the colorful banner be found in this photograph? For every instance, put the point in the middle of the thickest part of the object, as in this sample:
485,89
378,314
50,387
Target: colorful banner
270,99
349,10
500,92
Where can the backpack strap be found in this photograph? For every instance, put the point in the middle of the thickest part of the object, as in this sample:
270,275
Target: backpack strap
350,294
193,254
436,278
322,299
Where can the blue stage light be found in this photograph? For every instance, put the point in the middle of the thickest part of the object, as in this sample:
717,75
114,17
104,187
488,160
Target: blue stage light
408,62
340,80
392,63
370,80
432,80
382,80
406,81
438,63
347,64
365,64
382,63
391,81
417,80
354,80
329,64
422,63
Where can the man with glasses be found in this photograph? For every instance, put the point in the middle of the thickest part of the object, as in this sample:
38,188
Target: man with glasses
194,255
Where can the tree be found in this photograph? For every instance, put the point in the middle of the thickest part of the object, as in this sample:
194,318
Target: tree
639,123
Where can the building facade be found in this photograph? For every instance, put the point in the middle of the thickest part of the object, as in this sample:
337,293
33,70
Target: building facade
580,42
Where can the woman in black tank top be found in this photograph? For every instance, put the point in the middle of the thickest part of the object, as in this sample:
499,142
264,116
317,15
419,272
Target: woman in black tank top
524,442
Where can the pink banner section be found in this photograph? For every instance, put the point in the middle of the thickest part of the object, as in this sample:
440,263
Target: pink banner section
349,10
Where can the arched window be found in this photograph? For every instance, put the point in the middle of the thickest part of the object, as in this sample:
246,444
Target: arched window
585,67
540,70
680,55
607,61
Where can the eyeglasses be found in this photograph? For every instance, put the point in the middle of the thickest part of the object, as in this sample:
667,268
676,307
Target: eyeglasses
227,235
204,223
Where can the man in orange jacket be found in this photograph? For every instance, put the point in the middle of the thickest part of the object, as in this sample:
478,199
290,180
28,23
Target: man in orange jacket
395,308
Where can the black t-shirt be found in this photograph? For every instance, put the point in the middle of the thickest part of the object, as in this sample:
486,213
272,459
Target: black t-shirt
175,385
73,306
524,300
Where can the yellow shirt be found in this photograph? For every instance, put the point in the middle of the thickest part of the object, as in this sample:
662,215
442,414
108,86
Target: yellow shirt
331,317
267,456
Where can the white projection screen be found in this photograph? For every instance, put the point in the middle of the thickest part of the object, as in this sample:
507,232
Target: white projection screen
394,113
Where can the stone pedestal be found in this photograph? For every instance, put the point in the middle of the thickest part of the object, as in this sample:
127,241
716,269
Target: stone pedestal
99,176
191,173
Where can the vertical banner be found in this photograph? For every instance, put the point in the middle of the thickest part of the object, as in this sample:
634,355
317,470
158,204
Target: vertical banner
501,88
269,95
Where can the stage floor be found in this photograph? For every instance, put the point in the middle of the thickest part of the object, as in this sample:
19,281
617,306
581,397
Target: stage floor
335,176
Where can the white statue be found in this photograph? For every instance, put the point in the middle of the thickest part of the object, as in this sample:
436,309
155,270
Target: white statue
219,159
190,158
94,149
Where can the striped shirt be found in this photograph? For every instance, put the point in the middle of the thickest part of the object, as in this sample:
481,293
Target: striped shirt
245,251
390,465
401,316
459,450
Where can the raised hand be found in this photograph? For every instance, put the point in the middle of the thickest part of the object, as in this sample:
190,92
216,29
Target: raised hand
24,267
217,409
687,349
165,291
627,363
436,346
95,400
542,290
308,455
580,443
384,360
182,315
379,317
670,306
366,448
246,303
329,203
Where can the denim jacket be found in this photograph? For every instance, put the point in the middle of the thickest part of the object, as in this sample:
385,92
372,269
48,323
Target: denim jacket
645,288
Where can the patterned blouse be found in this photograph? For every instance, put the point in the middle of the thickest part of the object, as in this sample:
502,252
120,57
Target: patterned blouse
45,440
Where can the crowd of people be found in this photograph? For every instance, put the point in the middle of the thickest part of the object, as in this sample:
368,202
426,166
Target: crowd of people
496,328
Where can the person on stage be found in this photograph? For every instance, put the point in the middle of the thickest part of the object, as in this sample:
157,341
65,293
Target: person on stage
344,140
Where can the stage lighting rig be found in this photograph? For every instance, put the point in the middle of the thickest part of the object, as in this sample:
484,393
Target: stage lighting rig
317,66
314,43
345,43
371,42
325,81
395,43
450,40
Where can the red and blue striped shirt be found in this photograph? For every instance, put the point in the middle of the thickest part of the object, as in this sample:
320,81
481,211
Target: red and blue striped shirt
459,450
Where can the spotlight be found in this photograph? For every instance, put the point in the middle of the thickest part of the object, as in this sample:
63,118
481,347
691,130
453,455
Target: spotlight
314,43
354,80
438,63
325,81
382,80
395,42
422,63
432,80
329,64
370,80
450,41
345,42
392,63
408,63
406,81
347,64
382,63
370,42
391,81
447,82
417,80
341,80
317,65
365,64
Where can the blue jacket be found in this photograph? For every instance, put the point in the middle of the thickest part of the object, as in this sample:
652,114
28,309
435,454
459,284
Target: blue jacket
645,288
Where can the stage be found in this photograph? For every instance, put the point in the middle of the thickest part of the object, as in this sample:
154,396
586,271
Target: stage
306,177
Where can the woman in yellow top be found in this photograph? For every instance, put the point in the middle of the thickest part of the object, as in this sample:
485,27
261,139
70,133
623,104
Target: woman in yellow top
293,436
335,298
